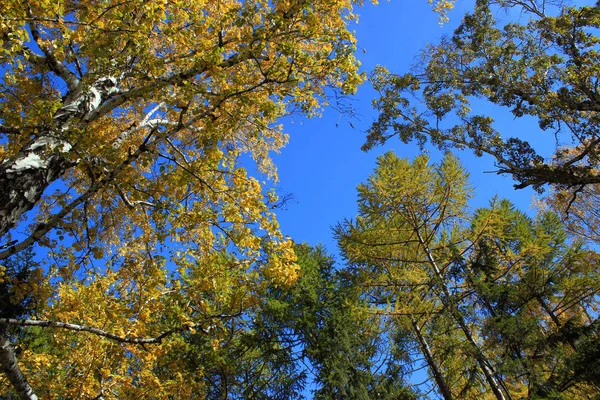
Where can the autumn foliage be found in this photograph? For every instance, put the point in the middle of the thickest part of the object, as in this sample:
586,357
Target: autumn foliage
140,253
123,129
492,303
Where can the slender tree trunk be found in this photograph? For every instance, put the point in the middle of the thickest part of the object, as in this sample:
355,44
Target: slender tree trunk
435,370
495,384
10,367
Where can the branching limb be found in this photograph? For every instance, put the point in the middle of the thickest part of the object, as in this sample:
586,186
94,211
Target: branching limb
133,204
45,227
143,124
530,6
178,151
160,83
9,130
50,60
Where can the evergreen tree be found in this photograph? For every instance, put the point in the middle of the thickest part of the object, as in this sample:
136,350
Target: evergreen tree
496,304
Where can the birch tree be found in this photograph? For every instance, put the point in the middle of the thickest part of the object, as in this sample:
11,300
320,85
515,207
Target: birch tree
122,126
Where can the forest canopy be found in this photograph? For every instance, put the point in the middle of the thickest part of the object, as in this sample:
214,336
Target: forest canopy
543,66
491,301
122,126
140,251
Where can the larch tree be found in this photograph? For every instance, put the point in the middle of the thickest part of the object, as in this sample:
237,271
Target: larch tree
405,229
535,288
495,304
542,64
122,127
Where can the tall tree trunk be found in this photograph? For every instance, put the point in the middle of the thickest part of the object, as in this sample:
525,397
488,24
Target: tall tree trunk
10,367
495,384
434,368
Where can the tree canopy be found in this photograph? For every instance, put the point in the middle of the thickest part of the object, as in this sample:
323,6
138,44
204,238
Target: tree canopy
493,303
140,253
121,131
545,68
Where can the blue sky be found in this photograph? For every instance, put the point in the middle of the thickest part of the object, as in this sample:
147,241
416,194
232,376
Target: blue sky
323,163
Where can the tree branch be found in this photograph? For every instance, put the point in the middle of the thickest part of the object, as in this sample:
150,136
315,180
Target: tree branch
45,227
160,83
50,60
132,204
99,332
146,122
9,130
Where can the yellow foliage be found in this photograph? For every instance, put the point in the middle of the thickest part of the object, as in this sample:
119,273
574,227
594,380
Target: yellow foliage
161,229
142,112
442,7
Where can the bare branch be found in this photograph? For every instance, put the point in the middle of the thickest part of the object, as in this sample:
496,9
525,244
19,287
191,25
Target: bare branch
50,60
99,332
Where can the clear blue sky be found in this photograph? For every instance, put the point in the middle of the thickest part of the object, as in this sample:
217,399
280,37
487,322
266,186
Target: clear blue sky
323,164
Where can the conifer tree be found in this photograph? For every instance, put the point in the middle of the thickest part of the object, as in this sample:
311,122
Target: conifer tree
496,304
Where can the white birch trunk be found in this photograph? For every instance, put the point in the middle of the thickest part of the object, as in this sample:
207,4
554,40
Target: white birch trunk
45,159
10,367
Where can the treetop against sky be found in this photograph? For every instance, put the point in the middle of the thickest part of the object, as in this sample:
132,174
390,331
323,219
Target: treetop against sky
323,162
140,205
122,126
